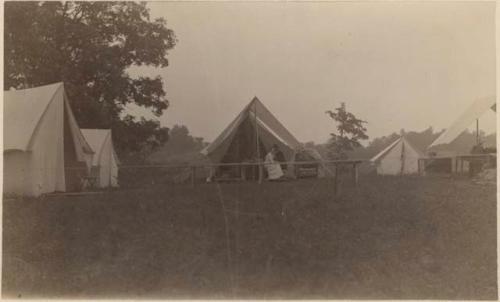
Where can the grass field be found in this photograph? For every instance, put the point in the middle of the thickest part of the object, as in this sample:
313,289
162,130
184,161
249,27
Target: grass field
405,237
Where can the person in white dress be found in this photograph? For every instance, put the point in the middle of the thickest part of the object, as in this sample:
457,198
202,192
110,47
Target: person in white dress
272,166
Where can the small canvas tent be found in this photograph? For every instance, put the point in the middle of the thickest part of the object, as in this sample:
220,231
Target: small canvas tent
474,112
310,154
105,162
44,150
250,136
398,158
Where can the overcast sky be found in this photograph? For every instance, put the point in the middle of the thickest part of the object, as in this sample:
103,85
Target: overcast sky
395,65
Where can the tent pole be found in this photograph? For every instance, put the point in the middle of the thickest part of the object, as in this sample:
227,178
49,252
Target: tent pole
403,157
257,140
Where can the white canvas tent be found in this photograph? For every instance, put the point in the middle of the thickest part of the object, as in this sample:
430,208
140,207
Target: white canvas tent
252,132
474,112
44,150
251,135
105,162
398,158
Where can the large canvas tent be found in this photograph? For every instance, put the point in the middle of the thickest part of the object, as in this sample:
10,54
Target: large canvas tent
398,158
44,149
250,136
105,162
474,112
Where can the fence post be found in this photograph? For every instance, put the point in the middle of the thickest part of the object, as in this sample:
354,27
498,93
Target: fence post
193,174
261,174
355,173
423,167
335,179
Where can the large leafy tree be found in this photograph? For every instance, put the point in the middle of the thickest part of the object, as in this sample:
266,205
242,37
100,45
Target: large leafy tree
90,46
350,130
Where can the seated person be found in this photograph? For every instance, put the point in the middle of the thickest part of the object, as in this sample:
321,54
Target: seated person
280,158
273,167
211,174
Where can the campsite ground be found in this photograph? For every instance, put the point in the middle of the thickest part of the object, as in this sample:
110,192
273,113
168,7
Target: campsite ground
408,237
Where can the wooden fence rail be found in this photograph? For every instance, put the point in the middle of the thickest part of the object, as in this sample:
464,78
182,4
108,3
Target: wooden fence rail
332,162
193,167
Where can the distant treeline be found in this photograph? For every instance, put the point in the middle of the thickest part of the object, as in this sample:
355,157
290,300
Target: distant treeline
181,147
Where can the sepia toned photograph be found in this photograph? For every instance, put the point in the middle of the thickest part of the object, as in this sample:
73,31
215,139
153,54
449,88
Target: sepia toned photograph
249,150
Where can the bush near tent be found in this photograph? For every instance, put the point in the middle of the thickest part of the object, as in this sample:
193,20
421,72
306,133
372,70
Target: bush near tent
486,177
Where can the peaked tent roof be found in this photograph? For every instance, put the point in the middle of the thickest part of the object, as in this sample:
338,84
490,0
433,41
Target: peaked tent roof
97,139
391,146
256,110
476,110
26,109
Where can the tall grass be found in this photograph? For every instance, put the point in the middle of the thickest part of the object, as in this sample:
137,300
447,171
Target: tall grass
391,238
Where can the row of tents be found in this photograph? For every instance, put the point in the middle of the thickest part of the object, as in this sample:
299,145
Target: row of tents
255,129
45,150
